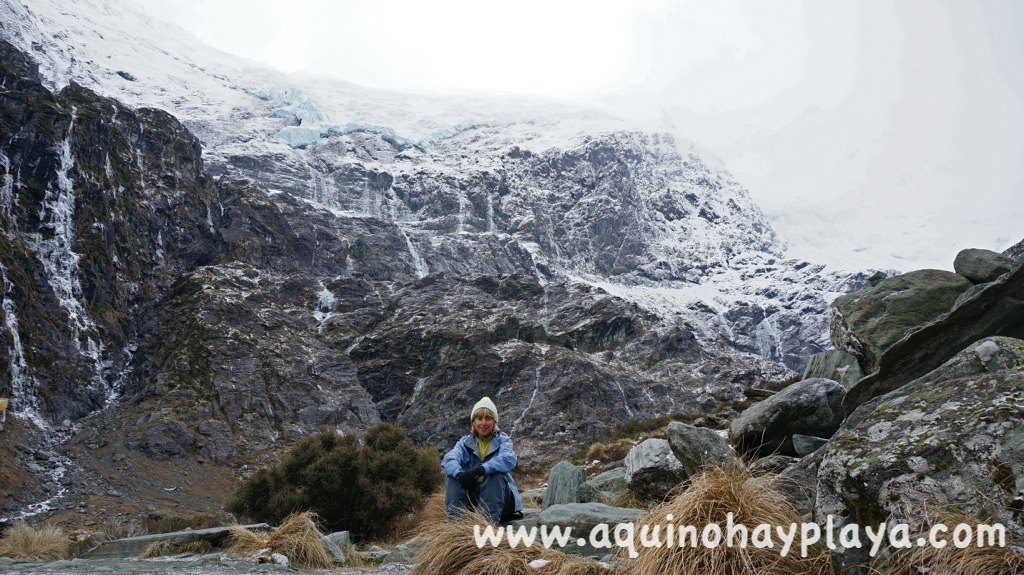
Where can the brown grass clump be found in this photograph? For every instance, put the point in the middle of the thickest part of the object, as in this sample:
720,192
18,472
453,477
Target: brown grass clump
162,548
530,475
608,452
452,550
629,498
971,560
298,539
43,543
158,549
708,499
532,499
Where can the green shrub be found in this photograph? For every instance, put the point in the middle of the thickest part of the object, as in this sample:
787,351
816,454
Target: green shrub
363,489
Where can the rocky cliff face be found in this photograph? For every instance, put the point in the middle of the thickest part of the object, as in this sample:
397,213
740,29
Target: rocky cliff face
491,186
102,207
157,315
165,315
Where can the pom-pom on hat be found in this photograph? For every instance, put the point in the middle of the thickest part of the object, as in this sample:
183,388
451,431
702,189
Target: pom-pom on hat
487,404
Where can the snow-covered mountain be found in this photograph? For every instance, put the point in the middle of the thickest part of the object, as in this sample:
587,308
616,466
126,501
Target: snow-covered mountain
586,194
363,255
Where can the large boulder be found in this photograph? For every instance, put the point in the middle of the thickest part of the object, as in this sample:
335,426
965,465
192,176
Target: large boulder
994,309
954,436
567,484
868,322
652,470
696,447
836,365
582,518
809,407
981,266
610,483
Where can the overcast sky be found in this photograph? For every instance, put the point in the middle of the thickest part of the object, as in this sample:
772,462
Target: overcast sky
892,129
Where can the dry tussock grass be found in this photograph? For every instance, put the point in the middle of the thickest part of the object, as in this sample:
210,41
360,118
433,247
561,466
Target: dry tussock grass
298,539
43,543
708,499
532,500
530,475
161,548
574,565
971,560
452,551
158,549
432,514
628,498
608,452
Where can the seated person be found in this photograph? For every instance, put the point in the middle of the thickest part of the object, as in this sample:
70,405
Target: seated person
478,470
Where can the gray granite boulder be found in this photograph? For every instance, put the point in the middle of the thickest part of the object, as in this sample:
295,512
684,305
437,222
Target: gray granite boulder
981,266
582,518
868,322
567,484
836,365
954,436
696,447
340,538
808,407
335,550
652,470
610,483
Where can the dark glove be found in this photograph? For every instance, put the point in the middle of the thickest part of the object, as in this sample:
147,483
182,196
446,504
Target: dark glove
468,478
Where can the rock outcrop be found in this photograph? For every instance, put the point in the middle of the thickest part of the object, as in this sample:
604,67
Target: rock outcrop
652,470
808,407
1015,252
993,309
567,483
102,208
697,447
836,365
868,322
952,437
981,266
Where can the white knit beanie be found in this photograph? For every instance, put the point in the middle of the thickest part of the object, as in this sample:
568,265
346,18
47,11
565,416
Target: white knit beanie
487,404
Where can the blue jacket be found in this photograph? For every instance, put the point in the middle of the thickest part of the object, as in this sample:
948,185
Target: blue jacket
500,460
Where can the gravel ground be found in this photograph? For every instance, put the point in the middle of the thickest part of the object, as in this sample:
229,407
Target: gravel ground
204,565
